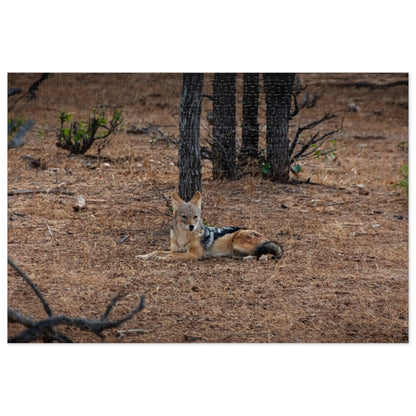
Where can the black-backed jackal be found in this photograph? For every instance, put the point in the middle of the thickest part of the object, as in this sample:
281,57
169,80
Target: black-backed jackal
190,239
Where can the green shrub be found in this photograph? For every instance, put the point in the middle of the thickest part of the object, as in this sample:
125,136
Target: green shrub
78,137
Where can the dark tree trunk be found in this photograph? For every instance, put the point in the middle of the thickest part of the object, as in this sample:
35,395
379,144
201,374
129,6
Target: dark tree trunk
189,155
278,89
250,127
223,144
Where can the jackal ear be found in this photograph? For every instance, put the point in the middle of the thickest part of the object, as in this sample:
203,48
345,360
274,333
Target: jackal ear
176,200
197,199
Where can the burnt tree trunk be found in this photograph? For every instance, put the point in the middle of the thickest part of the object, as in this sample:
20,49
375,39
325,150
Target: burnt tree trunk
278,89
223,144
250,127
189,154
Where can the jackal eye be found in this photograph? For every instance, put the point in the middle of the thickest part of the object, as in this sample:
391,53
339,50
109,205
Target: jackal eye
196,217
183,216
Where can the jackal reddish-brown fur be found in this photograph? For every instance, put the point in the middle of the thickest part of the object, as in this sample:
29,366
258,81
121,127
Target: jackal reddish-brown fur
190,239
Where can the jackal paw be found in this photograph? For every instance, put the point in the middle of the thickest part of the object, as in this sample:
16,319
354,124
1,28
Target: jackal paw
249,258
164,258
264,257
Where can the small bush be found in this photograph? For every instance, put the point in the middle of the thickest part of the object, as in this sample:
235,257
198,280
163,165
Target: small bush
79,136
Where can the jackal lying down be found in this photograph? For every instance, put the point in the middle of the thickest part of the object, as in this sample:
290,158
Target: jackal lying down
190,239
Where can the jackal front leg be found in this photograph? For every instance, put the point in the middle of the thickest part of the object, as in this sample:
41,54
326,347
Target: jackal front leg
154,255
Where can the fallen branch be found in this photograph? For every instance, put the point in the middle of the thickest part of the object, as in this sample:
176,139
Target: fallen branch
370,85
51,335
15,316
49,229
119,231
55,191
163,136
31,93
123,239
329,204
122,332
13,91
32,285
133,330
45,329
95,326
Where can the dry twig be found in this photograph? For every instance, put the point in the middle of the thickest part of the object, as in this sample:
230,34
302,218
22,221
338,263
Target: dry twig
38,191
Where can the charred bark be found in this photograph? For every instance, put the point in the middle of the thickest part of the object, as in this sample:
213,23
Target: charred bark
278,89
189,154
223,144
250,126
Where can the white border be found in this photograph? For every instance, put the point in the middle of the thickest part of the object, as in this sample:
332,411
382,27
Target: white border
301,36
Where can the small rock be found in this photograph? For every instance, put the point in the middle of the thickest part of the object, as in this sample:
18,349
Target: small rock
80,204
353,107
362,190
35,163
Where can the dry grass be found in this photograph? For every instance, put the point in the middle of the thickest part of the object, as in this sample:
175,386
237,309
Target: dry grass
344,274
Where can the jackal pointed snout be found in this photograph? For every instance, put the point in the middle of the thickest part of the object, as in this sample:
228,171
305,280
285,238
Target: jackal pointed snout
191,227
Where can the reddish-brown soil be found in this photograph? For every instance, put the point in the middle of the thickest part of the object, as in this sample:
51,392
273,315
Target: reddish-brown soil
344,273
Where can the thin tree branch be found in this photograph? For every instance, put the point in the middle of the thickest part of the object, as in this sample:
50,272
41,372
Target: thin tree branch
48,310
30,95
38,191
370,85
313,141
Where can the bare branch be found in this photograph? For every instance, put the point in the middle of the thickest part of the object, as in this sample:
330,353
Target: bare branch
315,141
31,93
327,116
45,328
38,191
295,94
163,136
111,306
370,85
309,126
15,316
32,285
41,328
13,91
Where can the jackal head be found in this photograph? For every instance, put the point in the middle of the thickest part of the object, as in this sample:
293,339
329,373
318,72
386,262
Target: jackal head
187,215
